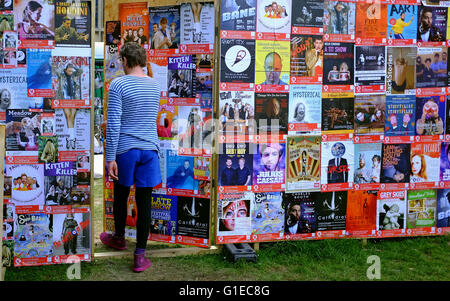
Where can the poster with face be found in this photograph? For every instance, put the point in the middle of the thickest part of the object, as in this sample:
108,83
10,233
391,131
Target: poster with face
274,16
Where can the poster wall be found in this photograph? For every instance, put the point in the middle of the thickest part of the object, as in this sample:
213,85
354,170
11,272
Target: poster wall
45,74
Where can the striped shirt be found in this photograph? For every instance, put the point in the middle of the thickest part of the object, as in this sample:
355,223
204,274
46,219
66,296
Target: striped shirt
133,105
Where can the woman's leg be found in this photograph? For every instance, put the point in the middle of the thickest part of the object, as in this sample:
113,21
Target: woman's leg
144,203
121,194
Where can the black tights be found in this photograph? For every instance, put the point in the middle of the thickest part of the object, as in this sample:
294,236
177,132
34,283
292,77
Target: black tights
143,202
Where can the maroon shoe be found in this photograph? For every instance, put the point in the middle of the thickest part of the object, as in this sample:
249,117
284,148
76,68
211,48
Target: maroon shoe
141,263
113,241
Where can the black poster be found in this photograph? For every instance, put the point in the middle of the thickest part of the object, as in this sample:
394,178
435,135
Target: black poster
237,62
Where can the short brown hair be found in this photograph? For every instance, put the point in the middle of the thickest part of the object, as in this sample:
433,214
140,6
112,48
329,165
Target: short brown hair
135,54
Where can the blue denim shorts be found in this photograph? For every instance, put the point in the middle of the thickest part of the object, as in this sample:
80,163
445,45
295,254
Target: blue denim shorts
140,167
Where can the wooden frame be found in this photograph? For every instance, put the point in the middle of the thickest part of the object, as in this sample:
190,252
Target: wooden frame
111,13
2,178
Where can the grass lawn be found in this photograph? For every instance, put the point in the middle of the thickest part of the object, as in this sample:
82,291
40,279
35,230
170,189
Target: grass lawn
421,258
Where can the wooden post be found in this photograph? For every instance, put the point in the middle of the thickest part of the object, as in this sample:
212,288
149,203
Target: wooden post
2,161
364,242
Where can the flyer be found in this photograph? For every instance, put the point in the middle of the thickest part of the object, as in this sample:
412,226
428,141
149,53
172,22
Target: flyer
48,149
402,24
267,214
238,15
274,16
71,234
180,172
370,27
164,215
190,130
431,67
237,62
269,164
425,157
443,208
134,22
303,161
237,112
391,210
197,23
164,22
370,69
73,23
157,69
60,178
23,130
193,217
272,63
431,25
445,162
338,64
395,167
339,20
430,115
307,16
300,212
39,73
367,164
331,210
113,33
13,91
337,113
167,120
400,115
35,22
28,184
305,108
306,59
234,214
337,162
236,164
421,208
361,210
70,77
181,76
400,66
369,114
271,113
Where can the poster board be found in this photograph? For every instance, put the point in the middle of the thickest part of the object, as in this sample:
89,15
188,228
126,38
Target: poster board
49,133
2,166
178,144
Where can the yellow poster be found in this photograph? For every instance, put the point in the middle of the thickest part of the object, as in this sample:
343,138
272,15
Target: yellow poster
272,62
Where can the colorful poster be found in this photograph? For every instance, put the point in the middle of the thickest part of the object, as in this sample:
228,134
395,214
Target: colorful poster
307,13
197,23
339,18
338,63
400,70
371,23
425,161
181,76
234,214
113,33
421,208
395,166
23,130
272,62
367,163
157,69
431,67
306,59
337,160
70,77
361,210
237,63
402,23
370,67
274,16
445,162
239,15
167,120
432,24
48,149
400,115
300,212
237,112
337,112
303,161
58,188
28,184
331,210
73,23
35,22
13,91
193,217
33,236
164,25
39,73
430,115
180,172
236,164
443,208
305,108
391,210
267,213
134,22
269,164
190,129
71,234
271,113
164,215
369,114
